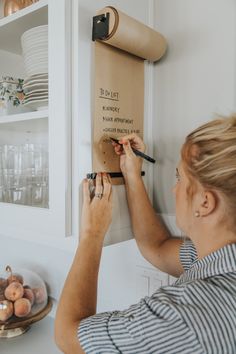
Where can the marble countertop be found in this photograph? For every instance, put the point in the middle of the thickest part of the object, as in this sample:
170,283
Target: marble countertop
37,340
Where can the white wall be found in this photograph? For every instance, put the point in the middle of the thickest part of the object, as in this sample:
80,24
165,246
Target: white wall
193,81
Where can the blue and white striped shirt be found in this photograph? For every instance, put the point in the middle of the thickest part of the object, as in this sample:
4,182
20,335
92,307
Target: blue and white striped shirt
195,315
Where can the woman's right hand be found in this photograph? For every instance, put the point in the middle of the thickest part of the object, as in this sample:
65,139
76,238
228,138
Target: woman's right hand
130,164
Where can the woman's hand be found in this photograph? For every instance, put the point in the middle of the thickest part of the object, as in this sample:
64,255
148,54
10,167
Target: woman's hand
130,164
97,210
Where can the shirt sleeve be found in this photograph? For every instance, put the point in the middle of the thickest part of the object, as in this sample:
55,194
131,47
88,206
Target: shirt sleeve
188,254
152,326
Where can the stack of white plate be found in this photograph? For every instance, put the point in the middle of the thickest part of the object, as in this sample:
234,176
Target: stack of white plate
35,50
35,53
35,88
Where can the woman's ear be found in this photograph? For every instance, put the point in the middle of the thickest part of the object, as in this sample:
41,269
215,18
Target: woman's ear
208,203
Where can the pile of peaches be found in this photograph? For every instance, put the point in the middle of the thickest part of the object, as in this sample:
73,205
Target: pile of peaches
16,298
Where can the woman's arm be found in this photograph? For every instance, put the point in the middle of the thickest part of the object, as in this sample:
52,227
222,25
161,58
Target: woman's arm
153,239
79,296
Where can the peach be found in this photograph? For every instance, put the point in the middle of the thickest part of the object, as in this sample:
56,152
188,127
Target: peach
2,296
40,295
22,307
26,287
6,310
14,291
15,278
29,294
3,283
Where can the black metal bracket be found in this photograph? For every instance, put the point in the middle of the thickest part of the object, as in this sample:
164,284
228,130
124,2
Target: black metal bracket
112,175
100,26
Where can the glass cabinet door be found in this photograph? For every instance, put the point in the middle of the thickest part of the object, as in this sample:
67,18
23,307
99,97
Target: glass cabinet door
35,122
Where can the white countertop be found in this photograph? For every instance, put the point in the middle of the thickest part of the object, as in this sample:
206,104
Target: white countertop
38,340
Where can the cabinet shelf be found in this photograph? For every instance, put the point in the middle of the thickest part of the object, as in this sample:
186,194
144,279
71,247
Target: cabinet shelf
24,116
13,26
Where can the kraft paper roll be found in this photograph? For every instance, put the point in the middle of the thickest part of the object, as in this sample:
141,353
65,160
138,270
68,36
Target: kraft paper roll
119,84
118,105
132,36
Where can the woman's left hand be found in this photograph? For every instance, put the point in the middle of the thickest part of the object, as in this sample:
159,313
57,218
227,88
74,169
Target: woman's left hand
97,210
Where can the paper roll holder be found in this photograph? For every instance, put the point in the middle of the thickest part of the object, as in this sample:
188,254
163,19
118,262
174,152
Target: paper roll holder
100,26
112,175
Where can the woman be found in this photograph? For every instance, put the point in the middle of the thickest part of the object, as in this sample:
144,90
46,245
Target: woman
197,314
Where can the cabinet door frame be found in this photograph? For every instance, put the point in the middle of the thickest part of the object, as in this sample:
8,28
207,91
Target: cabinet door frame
51,225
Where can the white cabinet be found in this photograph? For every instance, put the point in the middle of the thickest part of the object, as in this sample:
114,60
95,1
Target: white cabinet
49,128
70,75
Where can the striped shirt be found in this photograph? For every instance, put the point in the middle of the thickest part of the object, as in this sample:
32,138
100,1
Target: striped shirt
195,315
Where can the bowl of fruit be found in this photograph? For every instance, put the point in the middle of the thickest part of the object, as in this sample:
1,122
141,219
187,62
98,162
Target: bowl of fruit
23,301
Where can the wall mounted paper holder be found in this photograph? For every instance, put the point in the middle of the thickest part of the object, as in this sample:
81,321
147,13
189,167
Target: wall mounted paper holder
100,26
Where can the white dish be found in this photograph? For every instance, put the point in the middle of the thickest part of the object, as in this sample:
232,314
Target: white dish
31,84
39,91
39,65
34,30
36,100
43,76
33,36
34,53
42,45
34,71
29,52
36,96
43,83
34,40
39,105
30,89
36,76
35,60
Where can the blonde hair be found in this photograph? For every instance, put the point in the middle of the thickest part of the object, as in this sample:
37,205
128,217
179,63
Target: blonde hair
209,156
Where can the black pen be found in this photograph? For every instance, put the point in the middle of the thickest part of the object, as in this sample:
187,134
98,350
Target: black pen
137,152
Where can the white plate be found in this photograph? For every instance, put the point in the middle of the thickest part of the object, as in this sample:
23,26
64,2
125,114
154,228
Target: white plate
34,39
39,91
35,60
33,53
37,29
30,80
35,71
36,83
37,75
34,36
36,96
34,30
36,66
37,100
39,105
29,51
30,89
34,45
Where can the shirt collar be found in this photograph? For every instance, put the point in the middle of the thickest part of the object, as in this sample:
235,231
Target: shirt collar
219,262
